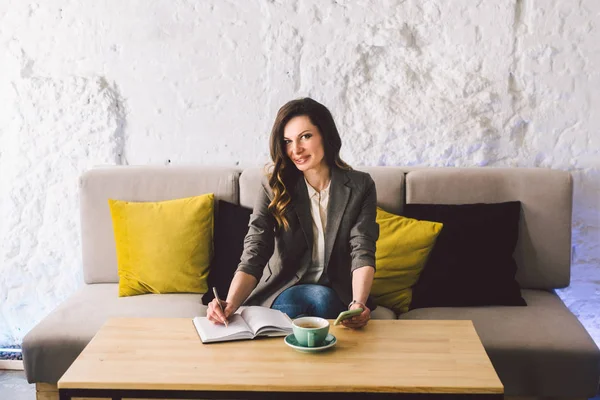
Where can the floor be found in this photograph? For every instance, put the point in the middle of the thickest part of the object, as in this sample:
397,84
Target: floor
14,386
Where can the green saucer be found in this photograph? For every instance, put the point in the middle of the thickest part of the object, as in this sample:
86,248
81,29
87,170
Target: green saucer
329,342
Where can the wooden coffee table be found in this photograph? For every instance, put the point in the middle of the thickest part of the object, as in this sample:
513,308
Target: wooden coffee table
164,358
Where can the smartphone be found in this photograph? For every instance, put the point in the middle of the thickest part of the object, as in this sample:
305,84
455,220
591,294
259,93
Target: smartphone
347,314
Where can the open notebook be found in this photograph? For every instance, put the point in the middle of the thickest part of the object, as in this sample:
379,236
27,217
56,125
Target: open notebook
246,324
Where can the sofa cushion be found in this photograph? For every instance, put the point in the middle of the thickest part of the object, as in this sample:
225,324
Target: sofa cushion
231,226
539,350
163,246
402,250
137,183
472,262
382,312
52,345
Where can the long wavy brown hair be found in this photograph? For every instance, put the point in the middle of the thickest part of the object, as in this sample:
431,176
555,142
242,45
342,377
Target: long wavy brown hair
284,174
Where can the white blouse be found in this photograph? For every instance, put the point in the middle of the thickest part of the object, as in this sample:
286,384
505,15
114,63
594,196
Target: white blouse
318,208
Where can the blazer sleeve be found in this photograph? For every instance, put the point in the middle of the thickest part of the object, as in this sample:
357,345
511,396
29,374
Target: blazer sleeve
260,239
365,232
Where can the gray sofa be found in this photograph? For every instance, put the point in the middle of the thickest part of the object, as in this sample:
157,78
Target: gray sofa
540,350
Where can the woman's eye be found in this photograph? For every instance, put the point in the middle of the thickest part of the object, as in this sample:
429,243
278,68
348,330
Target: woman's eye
307,136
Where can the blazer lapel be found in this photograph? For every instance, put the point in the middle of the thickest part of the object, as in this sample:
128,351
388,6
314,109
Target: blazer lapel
339,194
301,204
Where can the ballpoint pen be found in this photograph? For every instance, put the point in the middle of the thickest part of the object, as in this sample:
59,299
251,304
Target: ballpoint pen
219,301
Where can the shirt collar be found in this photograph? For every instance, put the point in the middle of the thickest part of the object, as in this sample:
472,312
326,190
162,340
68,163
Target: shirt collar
312,192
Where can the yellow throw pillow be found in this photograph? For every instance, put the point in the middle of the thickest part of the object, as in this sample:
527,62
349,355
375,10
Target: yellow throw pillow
165,246
402,250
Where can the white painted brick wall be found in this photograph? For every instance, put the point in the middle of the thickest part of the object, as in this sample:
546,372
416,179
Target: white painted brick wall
460,83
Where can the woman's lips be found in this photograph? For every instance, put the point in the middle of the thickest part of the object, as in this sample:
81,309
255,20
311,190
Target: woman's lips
301,160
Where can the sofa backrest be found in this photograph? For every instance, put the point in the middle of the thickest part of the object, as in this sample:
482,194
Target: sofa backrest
543,252
144,183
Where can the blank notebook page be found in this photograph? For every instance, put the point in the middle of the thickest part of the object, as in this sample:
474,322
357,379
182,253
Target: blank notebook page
209,332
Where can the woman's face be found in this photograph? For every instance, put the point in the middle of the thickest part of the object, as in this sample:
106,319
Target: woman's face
304,144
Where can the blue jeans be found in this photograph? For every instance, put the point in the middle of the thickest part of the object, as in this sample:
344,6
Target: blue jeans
309,300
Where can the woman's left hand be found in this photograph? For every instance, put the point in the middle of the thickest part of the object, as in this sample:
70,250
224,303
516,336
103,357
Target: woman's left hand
358,321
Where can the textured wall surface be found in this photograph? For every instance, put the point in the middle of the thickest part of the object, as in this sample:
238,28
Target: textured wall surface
412,82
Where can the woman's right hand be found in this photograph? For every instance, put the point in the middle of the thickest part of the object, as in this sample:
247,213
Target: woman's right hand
240,288
214,313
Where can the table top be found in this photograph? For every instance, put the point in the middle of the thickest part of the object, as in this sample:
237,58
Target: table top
403,356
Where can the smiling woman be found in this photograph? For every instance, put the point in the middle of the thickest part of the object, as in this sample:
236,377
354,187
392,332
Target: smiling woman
310,247
304,141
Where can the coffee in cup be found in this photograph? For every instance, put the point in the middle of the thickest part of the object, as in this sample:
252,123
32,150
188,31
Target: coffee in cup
310,331
308,325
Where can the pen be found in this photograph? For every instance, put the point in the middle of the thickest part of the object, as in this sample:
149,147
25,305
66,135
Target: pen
219,301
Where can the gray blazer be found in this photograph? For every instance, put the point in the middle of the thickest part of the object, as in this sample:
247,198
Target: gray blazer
280,261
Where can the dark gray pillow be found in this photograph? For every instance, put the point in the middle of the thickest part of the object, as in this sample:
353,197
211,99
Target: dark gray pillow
472,261
231,226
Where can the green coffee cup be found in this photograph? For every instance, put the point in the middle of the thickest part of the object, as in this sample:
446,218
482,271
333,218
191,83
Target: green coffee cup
310,331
